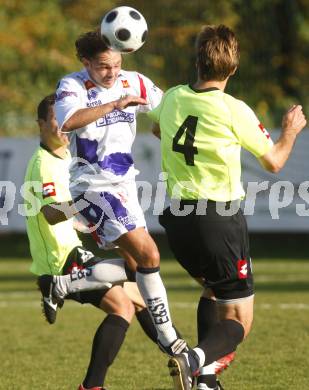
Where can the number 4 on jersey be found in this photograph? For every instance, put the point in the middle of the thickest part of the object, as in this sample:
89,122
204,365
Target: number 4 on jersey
187,149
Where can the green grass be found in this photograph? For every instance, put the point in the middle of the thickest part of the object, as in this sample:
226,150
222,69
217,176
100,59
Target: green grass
36,355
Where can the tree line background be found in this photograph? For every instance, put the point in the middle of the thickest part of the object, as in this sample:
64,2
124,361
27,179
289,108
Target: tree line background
37,49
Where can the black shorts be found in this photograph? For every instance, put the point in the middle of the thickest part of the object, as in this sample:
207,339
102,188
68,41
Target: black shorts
213,247
76,258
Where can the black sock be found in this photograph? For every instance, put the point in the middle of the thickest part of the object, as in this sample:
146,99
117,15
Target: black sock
210,380
147,325
221,339
106,344
144,319
207,316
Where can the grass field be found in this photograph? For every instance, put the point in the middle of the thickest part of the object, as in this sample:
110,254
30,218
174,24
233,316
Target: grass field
36,355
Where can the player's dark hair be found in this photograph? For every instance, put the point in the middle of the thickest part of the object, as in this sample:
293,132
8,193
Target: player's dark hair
217,52
42,110
90,44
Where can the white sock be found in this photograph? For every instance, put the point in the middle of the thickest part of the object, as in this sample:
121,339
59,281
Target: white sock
101,275
153,292
201,356
208,370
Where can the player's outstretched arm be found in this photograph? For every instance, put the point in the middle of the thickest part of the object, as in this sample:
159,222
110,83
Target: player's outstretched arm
292,124
58,212
85,116
156,131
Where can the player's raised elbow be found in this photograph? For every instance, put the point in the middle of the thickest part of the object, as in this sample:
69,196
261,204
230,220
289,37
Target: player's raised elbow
156,130
274,168
270,164
51,220
52,215
67,126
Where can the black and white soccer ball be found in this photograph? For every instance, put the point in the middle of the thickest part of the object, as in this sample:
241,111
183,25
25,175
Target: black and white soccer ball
124,29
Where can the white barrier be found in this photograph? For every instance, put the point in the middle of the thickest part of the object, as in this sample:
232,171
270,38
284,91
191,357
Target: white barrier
281,205
14,156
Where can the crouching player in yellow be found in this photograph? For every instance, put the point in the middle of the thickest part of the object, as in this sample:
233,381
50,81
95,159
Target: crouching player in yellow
57,250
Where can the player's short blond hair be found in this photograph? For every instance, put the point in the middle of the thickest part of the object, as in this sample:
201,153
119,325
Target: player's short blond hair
217,52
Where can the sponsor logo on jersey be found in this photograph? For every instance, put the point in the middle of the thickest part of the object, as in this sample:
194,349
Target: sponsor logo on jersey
157,310
242,269
92,94
48,189
115,117
63,94
127,220
95,103
125,84
89,84
264,131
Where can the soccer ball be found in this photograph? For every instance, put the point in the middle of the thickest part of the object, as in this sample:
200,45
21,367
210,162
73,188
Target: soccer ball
124,29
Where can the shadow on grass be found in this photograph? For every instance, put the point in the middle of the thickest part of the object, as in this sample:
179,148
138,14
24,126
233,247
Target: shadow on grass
269,287
283,286
17,283
271,245
17,278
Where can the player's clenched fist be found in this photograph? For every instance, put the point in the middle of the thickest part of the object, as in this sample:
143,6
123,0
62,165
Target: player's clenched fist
129,100
294,120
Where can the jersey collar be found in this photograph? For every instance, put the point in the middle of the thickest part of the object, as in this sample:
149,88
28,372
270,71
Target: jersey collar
48,150
203,90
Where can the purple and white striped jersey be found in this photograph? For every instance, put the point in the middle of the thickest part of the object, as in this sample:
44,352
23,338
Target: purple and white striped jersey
101,151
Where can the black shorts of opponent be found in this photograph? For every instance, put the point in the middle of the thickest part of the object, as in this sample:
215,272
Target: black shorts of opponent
212,246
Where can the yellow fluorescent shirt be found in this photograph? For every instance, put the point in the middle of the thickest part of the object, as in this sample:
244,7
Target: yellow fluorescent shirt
47,181
202,133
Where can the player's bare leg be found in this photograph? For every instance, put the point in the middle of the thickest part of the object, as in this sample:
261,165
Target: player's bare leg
132,291
241,311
